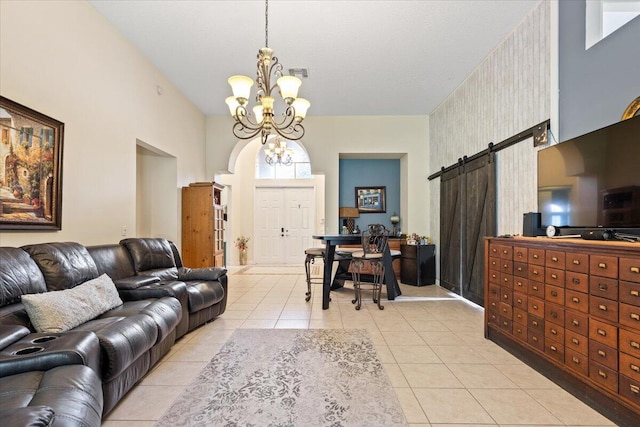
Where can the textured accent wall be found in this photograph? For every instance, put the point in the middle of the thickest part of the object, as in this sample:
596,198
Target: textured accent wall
508,93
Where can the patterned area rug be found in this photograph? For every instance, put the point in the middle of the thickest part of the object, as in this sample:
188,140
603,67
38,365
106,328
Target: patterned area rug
290,377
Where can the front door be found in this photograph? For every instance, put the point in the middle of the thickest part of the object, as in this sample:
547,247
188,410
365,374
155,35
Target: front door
284,219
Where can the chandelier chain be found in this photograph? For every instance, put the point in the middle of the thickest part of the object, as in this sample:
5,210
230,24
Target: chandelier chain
266,23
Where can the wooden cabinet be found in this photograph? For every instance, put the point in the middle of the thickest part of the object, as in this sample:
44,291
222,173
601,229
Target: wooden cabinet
202,225
418,264
571,309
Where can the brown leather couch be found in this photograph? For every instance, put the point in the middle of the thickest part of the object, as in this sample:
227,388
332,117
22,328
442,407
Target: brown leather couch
162,301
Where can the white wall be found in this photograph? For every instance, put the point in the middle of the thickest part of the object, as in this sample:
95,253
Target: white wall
66,61
328,137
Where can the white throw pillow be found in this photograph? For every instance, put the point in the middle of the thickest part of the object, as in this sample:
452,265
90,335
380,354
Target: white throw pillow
59,311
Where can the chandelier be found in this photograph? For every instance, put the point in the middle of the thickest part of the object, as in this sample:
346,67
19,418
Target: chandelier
278,153
263,121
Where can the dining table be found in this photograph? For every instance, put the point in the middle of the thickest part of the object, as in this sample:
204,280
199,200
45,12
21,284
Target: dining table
333,240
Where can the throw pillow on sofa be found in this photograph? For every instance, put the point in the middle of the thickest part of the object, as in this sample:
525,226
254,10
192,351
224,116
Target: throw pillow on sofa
60,311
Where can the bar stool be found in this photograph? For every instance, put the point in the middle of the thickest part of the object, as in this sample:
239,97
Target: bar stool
374,243
311,255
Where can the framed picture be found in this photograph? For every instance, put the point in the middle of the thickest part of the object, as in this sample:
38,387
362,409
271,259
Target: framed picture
371,199
30,169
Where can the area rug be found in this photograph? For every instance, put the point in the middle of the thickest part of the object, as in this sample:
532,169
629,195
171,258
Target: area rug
290,377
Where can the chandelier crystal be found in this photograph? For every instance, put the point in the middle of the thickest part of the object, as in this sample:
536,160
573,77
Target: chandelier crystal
277,152
263,119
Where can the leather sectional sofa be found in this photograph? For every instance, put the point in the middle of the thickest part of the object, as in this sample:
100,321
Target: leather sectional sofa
55,374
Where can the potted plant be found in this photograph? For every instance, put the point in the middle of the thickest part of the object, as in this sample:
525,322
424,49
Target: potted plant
241,244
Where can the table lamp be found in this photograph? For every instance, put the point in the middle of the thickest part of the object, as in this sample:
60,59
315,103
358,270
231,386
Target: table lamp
395,219
349,215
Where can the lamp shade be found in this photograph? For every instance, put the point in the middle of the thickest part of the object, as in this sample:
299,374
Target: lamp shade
289,86
301,106
241,87
349,213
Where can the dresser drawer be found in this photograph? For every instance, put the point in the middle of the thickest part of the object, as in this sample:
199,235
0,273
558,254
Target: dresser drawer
554,349
535,339
535,306
535,324
520,284
630,269
506,310
536,289
505,324
520,269
630,293
577,301
630,366
536,256
603,354
604,376
494,276
494,263
493,315
576,322
576,361
630,316
520,254
520,331
494,291
555,259
630,342
576,281
554,313
520,300
577,262
506,295
603,308
554,277
629,389
506,266
506,252
554,332
536,273
554,294
506,280
576,342
495,250
603,287
520,316
603,332
605,266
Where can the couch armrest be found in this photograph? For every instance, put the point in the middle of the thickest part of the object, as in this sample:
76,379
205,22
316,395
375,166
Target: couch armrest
11,333
134,282
207,273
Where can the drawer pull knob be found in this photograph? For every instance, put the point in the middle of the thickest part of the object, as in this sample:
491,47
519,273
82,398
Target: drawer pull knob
519,316
505,266
602,374
575,360
535,307
635,344
506,280
576,281
520,269
635,316
519,330
535,323
634,388
576,262
553,348
554,332
575,341
602,332
535,288
505,323
519,301
554,293
602,265
554,276
634,368
505,251
603,287
575,322
505,296
494,275
575,299
554,314
635,270
534,339
602,353
554,259
535,256
634,293
602,307
535,272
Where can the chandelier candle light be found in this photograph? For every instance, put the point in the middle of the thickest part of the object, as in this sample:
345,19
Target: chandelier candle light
263,121
277,152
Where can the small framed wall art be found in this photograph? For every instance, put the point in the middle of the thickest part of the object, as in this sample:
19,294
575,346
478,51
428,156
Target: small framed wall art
371,199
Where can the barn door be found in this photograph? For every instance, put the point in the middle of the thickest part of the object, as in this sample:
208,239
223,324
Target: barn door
467,215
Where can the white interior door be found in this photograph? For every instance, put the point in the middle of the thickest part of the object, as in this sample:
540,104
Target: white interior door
283,224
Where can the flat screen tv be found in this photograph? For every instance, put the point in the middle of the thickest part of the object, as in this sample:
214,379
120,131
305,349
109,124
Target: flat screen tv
592,180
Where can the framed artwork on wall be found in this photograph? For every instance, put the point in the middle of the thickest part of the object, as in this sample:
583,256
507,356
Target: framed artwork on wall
30,169
371,199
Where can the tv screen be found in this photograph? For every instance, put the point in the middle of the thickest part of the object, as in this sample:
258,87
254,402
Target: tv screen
592,180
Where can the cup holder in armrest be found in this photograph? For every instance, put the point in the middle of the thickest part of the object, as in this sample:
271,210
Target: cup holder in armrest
28,350
43,339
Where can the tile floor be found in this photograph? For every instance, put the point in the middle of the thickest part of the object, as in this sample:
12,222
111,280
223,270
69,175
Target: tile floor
431,343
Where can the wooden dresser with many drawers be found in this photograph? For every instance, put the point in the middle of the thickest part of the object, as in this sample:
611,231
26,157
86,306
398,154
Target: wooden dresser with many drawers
571,309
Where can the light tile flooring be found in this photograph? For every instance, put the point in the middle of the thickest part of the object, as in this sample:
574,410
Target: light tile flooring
431,344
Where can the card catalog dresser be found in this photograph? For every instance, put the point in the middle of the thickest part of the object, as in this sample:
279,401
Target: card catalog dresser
571,309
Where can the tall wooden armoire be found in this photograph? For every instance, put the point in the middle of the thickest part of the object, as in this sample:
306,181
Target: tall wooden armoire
202,225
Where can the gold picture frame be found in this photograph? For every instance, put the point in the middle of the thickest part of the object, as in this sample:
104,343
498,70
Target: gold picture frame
30,168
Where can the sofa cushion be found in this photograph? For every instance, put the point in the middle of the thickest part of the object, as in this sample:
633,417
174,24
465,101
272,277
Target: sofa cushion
19,275
113,259
203,294
152,256
206,273
60,311
63,264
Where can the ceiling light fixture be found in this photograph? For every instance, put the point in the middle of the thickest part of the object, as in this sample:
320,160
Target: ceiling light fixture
277,152
263,121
